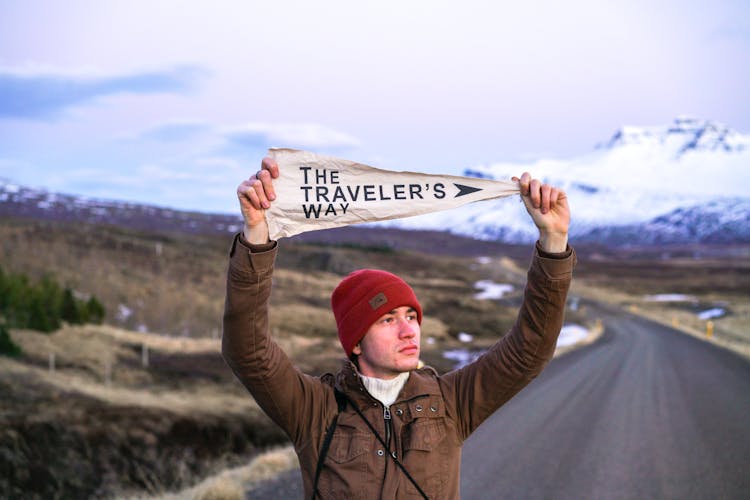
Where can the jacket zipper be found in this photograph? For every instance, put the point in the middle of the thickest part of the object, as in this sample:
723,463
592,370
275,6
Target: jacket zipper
387,418
387,421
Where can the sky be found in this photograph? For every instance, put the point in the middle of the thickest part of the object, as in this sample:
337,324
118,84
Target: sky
174,103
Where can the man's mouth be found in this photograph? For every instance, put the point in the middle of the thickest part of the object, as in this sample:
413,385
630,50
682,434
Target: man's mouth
409,349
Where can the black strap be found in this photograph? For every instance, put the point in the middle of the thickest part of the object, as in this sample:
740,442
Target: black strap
382,441
341,402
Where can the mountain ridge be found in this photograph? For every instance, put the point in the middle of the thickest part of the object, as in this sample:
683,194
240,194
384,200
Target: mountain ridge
677,184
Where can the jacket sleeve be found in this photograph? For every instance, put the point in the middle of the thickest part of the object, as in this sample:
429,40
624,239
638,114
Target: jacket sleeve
480,388
282,391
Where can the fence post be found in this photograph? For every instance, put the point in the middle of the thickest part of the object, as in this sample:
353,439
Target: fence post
144,355
709,329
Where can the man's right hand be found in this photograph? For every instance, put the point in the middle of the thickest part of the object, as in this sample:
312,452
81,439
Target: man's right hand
255,195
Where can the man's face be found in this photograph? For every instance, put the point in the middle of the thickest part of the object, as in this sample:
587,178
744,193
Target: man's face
391,345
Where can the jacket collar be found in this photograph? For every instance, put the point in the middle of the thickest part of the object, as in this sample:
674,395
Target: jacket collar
421,382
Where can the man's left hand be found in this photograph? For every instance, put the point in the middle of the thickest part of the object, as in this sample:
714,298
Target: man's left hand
548,208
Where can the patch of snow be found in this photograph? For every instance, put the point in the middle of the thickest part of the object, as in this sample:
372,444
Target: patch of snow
491,290
669,297
465,337
571,334
461,357
714,312
124,312
484,260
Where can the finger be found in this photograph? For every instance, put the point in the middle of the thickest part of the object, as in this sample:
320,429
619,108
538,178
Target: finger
247,192
545,192
270,164
523,183
554,195
265,177
535,192
260,192
243,187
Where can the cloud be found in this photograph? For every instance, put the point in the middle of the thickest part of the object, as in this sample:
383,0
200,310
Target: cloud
251,136
294,135
176,131
44,93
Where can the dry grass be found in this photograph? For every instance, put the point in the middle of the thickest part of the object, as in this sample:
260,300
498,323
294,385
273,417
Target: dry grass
232,483
147,428
179,291
82,357
626,281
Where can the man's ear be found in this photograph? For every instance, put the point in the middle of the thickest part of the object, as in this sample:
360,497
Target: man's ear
357,349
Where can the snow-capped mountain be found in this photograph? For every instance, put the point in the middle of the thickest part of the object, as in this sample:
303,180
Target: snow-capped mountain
686,134
720,221
685,182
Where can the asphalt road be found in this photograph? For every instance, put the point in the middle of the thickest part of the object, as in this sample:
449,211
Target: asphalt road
646,412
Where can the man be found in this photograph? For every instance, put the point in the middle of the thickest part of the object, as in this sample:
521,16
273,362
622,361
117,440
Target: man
381,427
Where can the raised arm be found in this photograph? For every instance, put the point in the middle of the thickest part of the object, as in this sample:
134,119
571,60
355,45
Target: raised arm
480,388
283,392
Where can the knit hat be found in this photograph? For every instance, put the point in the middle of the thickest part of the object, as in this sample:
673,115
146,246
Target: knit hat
364,296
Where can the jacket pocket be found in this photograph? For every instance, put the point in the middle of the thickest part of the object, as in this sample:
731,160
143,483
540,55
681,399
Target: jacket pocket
423,456
347,446
424,434
348,471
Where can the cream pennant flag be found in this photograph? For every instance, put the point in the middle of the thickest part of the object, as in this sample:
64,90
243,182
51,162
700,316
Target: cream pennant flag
319,192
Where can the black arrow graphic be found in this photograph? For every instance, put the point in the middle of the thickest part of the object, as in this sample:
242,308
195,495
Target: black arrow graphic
463,190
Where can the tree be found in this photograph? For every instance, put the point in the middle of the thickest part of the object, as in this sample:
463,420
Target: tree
95,311
16,301
7,346
42,316
43,306
70,309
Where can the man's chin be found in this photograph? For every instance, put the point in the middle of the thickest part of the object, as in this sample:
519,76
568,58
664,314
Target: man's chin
413,364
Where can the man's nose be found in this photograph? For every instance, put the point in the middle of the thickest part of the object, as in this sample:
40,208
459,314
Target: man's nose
405,329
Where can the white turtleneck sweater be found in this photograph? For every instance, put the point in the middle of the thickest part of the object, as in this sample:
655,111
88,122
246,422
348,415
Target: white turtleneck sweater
385,391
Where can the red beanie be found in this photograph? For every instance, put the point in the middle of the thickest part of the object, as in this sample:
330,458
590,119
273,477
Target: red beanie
364,296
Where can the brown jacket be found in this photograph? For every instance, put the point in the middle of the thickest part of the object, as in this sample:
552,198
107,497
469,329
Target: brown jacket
433,414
